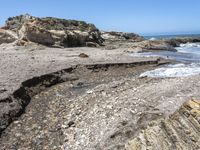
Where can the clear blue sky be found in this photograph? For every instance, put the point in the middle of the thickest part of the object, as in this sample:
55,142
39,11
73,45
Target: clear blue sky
140,16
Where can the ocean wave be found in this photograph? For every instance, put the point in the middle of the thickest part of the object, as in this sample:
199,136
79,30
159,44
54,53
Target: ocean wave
153,39
190,48
190,45
178,70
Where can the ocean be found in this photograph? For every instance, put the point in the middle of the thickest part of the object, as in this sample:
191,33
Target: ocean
171,36
187,57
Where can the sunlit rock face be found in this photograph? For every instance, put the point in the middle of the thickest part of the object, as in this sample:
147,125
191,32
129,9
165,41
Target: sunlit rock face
7,36
53,31
179,131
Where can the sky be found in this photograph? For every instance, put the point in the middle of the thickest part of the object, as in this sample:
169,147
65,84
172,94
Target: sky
146,17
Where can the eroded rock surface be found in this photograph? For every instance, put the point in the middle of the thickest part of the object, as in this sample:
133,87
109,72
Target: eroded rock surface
53,31
7,36
177,41
114,40
181,131
149,45
104,109
122,36
28,63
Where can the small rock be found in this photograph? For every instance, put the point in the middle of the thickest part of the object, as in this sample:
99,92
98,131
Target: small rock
104,94
18,134
89,92
64,126
71,123
3,90
83,55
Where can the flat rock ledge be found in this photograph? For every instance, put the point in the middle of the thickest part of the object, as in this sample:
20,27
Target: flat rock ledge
14,105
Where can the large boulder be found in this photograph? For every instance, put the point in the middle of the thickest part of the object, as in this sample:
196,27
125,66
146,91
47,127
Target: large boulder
7,36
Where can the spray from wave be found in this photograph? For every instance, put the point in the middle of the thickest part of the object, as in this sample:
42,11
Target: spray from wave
188,54
178,70
190,45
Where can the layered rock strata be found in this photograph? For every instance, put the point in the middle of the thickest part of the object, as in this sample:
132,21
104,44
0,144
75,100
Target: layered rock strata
180,131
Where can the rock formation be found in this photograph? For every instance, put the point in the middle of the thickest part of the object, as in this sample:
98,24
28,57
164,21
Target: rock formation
158,45
53,31
181,131
7,36
177,41
121,36
56,32
114,40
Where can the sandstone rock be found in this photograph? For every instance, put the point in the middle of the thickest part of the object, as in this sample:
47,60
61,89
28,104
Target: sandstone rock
7,36
54,32
59,37
158,45
180,131
21,42
35,34
120,36
15,23
115,40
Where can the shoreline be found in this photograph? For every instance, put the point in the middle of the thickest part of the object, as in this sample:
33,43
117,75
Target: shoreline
20,95
64,84
95,79
112,91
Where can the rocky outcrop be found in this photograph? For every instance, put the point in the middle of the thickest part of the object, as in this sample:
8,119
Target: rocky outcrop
148,45
7,36
54,32
115,40
177,41
164,44
121,36
30,32
57,32
180,131
15,23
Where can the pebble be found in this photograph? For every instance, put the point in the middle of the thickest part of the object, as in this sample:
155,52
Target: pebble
89,92
64,126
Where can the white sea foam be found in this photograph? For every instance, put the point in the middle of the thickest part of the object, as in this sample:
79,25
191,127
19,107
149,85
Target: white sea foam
189,56
190,45
192,48
178,70
152,39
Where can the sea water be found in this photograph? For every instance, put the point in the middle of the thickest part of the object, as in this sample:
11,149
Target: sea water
180,70
171,36
188,58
